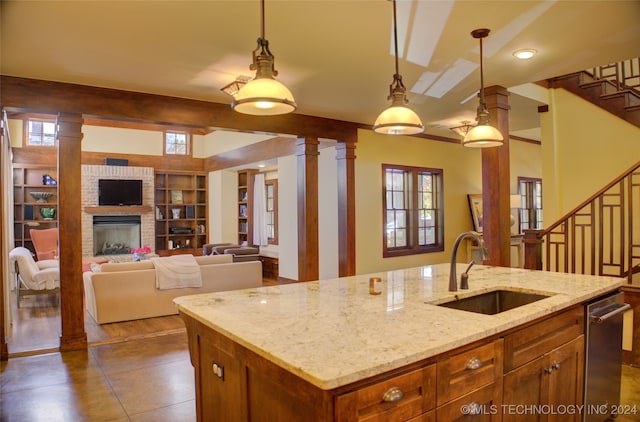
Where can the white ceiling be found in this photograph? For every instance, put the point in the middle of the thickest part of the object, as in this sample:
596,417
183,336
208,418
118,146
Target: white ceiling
335,56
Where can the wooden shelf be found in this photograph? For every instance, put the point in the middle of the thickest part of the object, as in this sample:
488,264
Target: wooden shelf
245,207
186,193
26,210
129,209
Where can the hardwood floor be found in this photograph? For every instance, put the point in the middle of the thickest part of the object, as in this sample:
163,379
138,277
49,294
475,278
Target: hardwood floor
36,326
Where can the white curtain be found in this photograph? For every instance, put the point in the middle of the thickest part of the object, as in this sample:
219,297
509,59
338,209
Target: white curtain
7,240
259,212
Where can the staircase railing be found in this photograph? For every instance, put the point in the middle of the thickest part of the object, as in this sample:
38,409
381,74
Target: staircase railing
624,75
600,236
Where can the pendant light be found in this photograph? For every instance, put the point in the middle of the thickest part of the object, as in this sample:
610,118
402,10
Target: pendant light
263,95
482,135
397,119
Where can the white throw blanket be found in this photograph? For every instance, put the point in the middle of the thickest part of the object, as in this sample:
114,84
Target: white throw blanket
177,271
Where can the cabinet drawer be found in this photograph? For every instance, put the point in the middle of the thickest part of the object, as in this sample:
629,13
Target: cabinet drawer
483,404
369,403
468,371
532,342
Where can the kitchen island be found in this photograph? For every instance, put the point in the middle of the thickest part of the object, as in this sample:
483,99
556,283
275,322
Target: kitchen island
330,350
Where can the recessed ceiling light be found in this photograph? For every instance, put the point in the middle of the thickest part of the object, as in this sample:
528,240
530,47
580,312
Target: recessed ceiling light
525,54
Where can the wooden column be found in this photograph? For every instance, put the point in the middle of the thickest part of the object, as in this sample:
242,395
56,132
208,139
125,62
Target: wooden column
4,350
346,208
308,246
496,226
70,236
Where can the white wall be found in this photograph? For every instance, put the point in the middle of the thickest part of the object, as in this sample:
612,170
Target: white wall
223,199
122,141
328,213
288,217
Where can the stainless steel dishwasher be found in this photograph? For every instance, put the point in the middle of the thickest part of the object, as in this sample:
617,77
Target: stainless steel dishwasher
603,354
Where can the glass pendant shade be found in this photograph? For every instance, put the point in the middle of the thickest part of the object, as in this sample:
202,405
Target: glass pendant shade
264,97
398,120
483,136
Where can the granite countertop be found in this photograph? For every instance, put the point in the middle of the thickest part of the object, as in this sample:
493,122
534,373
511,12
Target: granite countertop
333,332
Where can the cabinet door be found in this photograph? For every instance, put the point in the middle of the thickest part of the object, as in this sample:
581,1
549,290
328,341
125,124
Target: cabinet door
220,384
554,379
525,386
566,381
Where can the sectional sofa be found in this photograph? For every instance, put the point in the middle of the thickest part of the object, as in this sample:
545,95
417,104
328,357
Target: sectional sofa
117,292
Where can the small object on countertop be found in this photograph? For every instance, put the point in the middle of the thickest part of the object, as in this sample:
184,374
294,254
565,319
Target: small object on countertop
372,286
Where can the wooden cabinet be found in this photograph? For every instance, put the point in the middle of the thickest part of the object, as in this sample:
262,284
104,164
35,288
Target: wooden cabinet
554,379
35,195
400,398
544,365
181,212
483,404
269,267
470,384
245,207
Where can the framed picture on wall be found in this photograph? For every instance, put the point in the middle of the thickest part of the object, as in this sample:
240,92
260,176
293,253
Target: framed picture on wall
475,206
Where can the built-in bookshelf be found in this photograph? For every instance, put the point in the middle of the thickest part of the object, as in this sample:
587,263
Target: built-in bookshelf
245,208
35,199
181,212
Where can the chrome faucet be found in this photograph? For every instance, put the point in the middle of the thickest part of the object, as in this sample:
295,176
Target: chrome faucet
453,279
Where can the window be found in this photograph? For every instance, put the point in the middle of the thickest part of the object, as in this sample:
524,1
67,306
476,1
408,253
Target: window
40,132
271,195
412,210
176,143
530,190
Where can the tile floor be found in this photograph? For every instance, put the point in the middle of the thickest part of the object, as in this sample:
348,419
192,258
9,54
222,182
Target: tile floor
149,379
143,380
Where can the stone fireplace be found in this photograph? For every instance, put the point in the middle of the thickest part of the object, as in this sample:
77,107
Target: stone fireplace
92,243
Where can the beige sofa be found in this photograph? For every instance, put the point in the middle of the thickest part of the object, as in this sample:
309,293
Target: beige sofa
127,291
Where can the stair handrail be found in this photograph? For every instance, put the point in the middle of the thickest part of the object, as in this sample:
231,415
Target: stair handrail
533,239
586,202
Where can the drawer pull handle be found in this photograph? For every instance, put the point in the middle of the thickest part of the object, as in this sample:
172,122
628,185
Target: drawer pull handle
472,408
473,363
548,370
392,394
556,366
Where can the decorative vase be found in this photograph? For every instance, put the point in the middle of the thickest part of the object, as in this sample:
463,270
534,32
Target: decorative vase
176,213
47,213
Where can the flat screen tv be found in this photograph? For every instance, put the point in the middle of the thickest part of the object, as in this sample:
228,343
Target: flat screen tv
119,192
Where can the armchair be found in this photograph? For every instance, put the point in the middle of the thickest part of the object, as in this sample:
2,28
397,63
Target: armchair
42,277
45,242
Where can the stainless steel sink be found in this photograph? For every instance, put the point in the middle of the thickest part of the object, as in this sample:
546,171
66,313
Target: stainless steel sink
494,302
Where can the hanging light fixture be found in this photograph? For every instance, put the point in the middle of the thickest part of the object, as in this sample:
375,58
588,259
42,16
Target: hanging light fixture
482,135
397,119
263,95
463,129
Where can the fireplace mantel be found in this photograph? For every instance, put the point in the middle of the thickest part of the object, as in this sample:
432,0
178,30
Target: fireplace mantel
130,209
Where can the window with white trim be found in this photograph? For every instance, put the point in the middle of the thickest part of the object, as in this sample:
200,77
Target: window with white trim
40,132
176,143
